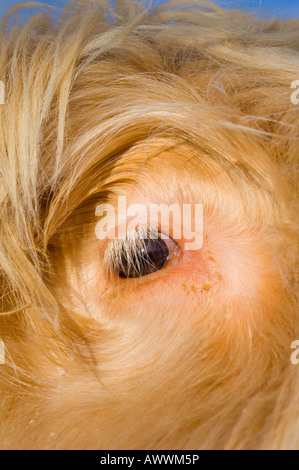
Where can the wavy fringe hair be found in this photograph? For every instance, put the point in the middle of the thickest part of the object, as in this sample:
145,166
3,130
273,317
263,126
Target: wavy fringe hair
84,87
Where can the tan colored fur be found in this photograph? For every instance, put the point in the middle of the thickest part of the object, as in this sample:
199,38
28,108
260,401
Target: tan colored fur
179,104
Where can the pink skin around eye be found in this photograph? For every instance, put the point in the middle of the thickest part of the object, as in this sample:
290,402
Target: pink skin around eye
187,273
226,269
199,268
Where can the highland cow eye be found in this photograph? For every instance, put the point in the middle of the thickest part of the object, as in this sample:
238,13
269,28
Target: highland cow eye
139,254
151,256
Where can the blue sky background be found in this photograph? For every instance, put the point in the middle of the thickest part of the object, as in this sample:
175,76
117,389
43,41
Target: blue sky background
282,8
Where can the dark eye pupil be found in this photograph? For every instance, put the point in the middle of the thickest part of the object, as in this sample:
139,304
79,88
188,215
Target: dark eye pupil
151,256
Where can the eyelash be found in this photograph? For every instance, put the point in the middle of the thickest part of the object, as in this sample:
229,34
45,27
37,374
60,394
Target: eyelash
124,257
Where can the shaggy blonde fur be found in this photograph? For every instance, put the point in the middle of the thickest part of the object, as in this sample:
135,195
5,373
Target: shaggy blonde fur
181,103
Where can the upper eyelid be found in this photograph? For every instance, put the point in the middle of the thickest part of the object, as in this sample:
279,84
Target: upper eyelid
134,234
114,247
121,242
